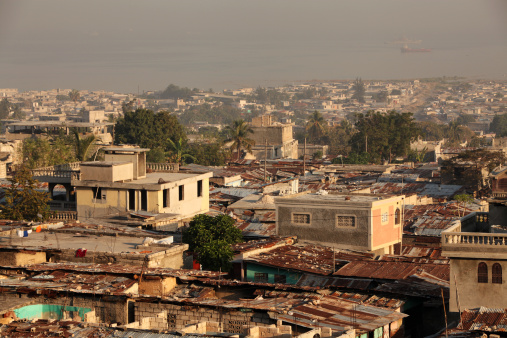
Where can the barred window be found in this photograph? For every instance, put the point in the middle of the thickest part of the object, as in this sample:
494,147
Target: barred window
301,218
385,217
345,221
280,279
497,274
482,273
260,277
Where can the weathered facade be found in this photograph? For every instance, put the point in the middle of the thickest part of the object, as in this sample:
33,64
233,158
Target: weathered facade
359,222
477,260
120,184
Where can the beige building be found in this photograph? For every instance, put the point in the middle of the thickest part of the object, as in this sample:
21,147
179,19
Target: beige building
478,257
272,140
121,185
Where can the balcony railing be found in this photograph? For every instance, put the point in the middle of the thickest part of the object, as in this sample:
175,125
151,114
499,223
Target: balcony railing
62,205
473,239
167,167
64,216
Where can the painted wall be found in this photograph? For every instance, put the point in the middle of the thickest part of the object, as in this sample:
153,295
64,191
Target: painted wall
323,229
385,234
251,268
49,311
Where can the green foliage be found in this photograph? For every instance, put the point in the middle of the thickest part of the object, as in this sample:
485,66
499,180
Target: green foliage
175,92
384,136
82,145
339,138
355,158
63,98
359,90
463,200
223,114
41,152
417,156
148,129
156,155
74,95
489,159
316,128
209,154
270,96
499,125
465,119
5,108
211,238
317,155
238,134
306,94
178,151
23,201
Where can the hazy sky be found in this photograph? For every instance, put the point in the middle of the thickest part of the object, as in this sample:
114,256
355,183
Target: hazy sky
120,44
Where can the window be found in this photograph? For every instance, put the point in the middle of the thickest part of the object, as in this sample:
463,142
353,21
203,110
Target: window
345,221
385,217
301,218
97,193
482,273
165,198
144,200
199,188
181,192
280,279
397,216
261,277
496,278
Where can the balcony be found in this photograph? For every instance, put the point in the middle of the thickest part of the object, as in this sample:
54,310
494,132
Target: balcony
477,242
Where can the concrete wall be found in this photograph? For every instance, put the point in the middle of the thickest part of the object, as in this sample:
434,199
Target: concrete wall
322,228
156,286
291,277
176,317
107,309
13,258
471,293
169,258
275,135
116,200
109,173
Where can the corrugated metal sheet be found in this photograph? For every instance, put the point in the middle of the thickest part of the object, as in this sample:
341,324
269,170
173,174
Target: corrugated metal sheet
392,270
484,319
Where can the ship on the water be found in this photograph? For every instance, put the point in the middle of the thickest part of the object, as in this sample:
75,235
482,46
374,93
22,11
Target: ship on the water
406,49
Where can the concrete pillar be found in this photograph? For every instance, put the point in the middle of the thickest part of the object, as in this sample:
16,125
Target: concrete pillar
51,187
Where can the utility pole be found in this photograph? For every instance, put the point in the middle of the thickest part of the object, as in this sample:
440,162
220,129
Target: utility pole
366,143
304,159
265,157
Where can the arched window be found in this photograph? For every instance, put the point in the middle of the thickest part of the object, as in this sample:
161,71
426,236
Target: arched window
482,273
497,274
397,216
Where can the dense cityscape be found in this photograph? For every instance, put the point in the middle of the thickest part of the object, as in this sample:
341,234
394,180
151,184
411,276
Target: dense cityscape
352,208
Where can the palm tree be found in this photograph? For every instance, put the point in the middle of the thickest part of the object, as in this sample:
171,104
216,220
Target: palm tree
316,127
74,95
82,145
178,151
238,134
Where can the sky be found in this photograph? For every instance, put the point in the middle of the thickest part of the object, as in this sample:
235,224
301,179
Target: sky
127,46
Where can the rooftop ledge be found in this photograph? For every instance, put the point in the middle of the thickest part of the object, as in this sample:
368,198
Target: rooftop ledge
474,245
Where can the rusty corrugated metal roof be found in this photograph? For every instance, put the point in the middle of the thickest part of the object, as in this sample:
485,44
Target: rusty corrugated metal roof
392,270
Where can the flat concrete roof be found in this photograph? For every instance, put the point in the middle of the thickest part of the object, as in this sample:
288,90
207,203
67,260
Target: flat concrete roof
335,198
91,242
57,124
125,149
103,163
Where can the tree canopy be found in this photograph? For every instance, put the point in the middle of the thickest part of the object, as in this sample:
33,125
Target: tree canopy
384,136
238,134
211,239
175,92
148,129
316,127
359,90
499,125
22,199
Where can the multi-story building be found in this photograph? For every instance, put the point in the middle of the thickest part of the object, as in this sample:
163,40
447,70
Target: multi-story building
273,140
352,221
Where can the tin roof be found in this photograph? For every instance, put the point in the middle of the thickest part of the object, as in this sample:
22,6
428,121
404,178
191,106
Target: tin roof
392,270
483,319
310,258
